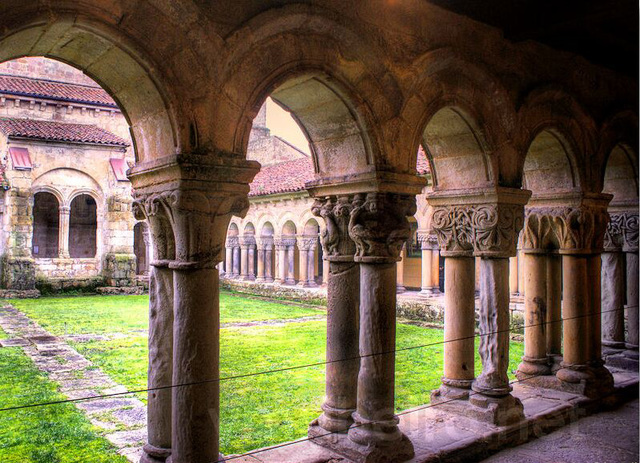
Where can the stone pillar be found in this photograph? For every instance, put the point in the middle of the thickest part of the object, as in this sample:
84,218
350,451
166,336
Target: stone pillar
63,243
435,265
426,278
400,270
325,272
160,369
261,258
236,261
268,264
513,276
554,312
303,256
343,290
535,361
378,225
228,261
613,288
201,193
630,248
282,264
251,274
289,265
520,256
244,258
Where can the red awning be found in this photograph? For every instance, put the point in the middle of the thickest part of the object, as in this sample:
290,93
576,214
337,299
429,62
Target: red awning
20,158
119,167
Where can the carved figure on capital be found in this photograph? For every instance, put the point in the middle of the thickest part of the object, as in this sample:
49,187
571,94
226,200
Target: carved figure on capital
378,225
335,239
613,236
630,231
305,243
154,209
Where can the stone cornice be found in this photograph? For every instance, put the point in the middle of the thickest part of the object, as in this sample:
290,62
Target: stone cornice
369,181
379,227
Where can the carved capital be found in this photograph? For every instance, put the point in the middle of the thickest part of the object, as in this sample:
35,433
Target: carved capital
306,243
452,227
613,235
337,245
279,244
496,228
630,232
423,239
571,230
379,227
247,241
153,209
265,242
232,242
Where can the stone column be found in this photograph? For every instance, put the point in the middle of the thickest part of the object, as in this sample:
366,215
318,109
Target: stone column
290,264
343,290
311,263
613,289
261,257
435,265
303,256
630,248
426,278
378,225
520,256
236,260
282,264
228,261
535,242
244,258
554,312
201,193
452,228
63,239
251,274
495,235
513,276
160,369
400,270
268,264
325,272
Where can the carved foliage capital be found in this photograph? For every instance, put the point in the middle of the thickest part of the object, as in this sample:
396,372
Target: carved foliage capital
305,243
630,231
337,245
379,227
613,236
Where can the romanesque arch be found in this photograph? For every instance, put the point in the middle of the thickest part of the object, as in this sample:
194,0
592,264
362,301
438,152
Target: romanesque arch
46,225
83,226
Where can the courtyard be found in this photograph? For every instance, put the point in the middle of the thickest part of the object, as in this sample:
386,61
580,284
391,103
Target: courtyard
272,375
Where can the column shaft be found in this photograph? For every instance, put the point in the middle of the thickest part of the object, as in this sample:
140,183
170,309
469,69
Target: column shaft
228,262
513,275
554,303
244,262
426,279
282,264
268,265
251,273
400,271
261,258
435,270
535,361
311,267
160,369
613,296
236,262
63,238
303,255
196,337
632,301
291,277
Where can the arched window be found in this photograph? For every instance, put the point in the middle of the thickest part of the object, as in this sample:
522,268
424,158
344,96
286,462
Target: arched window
46,226
82,227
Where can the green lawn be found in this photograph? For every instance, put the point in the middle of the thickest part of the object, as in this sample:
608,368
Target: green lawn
52,434
122,314
259,410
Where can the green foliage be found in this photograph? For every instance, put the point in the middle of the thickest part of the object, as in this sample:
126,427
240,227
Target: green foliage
51,434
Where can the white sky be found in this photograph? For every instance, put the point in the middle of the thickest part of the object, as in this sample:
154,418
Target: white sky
282,124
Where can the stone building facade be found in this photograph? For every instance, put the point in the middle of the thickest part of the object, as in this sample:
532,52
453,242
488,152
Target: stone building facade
66,204
519,134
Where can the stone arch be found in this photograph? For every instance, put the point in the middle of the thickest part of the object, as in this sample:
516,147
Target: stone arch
311,227
619,138
621,175
109,58
298,56
45,239
288,228
267,229
249,229
552,110
549,165
233,229
450,94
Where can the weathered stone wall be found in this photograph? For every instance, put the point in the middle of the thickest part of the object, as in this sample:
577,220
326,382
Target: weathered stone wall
119,269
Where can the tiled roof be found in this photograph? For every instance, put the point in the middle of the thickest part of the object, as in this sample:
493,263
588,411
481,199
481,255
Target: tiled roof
25,86
290,176
58,131
284,177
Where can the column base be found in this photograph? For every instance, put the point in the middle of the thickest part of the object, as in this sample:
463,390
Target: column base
367,442
555,360
289,282
631,351
400,289
500,411
591,380
428,292
331,421
153,454
621,360
451,398
533,367
612,347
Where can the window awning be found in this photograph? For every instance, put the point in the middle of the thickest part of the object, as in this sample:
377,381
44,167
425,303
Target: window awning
20,158
120,168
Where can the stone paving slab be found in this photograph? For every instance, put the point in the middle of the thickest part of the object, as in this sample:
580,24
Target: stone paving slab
14,342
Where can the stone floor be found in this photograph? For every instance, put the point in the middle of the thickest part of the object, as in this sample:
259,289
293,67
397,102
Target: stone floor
121,418
606,437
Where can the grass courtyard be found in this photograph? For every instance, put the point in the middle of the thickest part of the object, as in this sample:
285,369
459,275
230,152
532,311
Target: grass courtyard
257,410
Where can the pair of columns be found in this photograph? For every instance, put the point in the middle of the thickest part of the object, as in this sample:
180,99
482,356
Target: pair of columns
362,242
485,225
572,237
620,257
265,260
232,257
188,201
285,248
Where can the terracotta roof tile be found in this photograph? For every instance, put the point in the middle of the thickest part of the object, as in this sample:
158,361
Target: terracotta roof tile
284,177
25,86
57,131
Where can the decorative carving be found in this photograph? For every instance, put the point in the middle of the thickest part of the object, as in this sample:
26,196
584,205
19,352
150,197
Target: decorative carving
336,243
569,229
379,227
489,230
613,237
306,243
630,232
423,239
247,241
232,242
